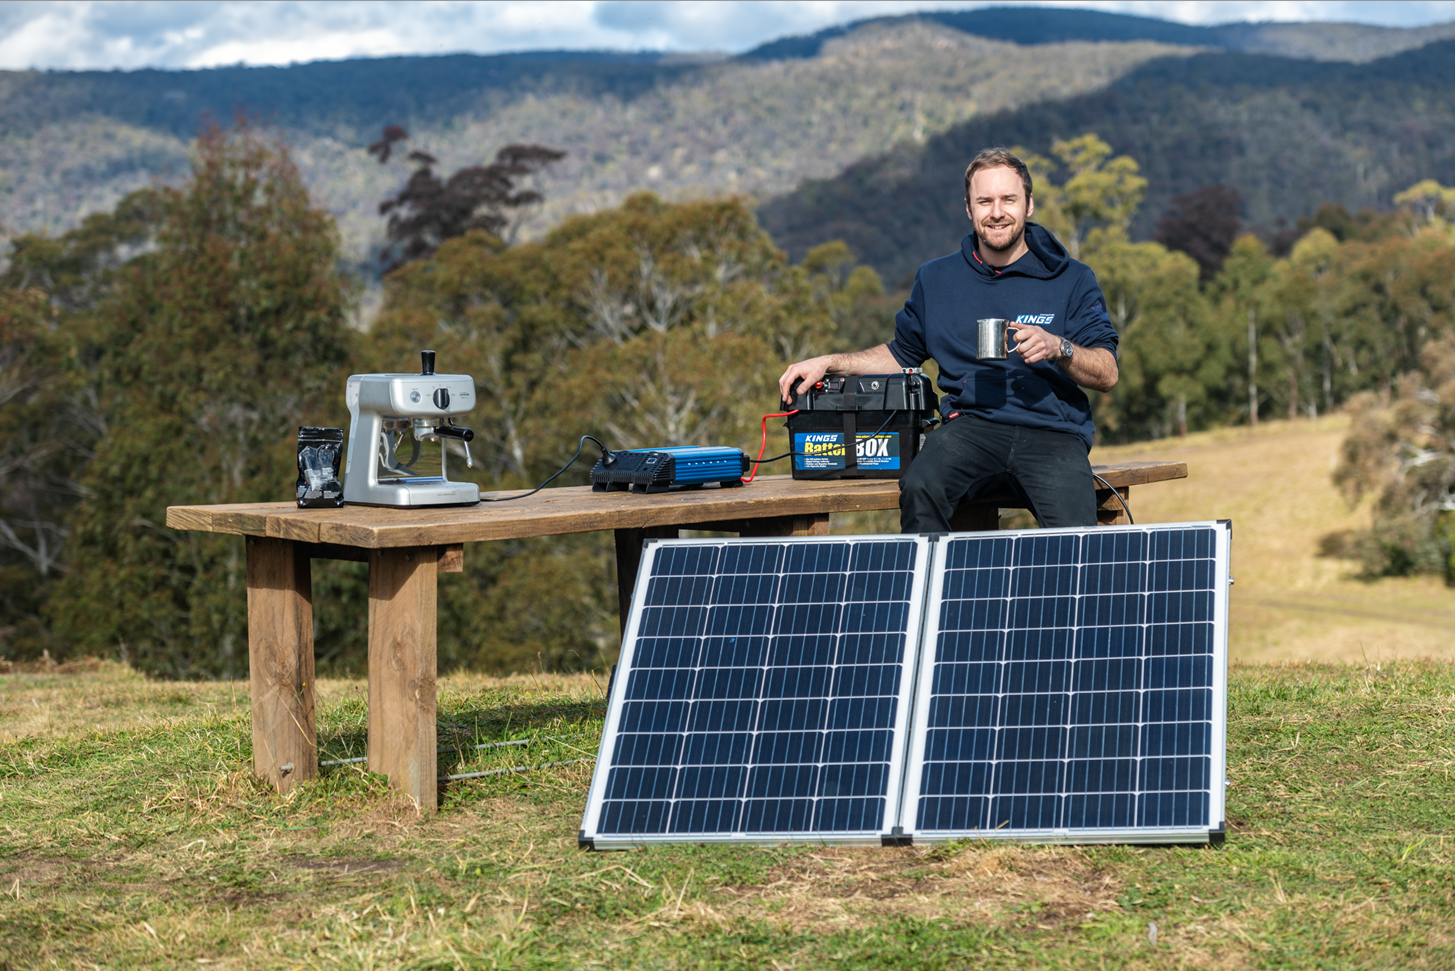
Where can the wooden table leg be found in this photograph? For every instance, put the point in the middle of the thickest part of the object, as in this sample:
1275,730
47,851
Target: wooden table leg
402,667
280,661
1110,512
816,524
629,559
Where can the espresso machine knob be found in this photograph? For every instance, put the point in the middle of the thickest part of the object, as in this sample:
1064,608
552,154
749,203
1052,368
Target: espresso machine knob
442,398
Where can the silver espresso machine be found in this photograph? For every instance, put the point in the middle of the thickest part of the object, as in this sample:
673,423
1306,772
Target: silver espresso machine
392,418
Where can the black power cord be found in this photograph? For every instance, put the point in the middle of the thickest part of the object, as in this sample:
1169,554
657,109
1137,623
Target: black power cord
607,459
1125,508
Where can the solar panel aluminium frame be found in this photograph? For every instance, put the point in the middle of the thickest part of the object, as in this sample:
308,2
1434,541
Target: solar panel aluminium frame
592,837
921,721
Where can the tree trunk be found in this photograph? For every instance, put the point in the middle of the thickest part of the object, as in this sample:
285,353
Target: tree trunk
1252,369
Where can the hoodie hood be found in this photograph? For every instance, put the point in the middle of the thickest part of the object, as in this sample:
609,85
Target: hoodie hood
1047,250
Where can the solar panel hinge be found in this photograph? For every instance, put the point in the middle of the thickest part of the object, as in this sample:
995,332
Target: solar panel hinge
896,837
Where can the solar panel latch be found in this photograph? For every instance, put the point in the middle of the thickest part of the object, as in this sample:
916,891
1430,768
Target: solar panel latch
896,837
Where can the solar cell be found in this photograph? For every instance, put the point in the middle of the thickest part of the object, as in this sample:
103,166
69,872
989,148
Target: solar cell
1073,687
762,692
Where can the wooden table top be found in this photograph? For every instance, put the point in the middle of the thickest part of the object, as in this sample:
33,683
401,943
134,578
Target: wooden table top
576,509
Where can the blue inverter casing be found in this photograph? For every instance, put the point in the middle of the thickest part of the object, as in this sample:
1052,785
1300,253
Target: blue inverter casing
660,469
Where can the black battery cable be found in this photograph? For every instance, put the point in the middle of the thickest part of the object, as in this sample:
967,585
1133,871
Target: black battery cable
1125,508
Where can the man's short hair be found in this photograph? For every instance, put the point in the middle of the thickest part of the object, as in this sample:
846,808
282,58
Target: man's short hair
991,158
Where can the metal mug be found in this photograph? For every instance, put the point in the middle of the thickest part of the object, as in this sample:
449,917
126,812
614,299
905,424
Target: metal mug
992,338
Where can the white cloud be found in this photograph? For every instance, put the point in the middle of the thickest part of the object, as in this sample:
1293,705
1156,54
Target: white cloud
144,33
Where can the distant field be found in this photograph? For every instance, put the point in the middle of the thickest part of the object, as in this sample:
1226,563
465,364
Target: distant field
1290,603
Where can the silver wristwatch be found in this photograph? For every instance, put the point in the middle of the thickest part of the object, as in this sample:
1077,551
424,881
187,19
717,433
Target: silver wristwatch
1067,349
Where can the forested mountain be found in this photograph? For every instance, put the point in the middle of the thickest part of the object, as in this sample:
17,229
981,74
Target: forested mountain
760,124
1041,25
73,142
1287,134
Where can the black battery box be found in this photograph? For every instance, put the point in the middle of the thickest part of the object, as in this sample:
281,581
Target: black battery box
883,417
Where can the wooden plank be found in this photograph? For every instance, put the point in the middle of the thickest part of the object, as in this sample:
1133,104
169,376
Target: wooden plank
1140,473
402,668
280,662
628,562
578,509
452,558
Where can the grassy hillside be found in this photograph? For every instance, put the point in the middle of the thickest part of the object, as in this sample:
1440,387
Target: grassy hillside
1289,601
133,836
1288,135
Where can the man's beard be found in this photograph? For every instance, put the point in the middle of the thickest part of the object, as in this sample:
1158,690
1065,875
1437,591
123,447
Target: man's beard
1009,244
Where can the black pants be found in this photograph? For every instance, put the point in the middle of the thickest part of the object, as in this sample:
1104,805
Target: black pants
969,457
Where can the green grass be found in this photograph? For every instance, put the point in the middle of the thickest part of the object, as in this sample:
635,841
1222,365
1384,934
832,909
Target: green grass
144,842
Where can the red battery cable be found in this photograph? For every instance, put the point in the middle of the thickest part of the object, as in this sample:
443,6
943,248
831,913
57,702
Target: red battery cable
764,446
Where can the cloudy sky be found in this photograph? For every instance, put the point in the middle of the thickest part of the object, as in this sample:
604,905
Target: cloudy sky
81,35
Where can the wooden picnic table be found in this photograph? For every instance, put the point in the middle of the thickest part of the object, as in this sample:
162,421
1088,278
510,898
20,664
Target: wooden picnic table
406,549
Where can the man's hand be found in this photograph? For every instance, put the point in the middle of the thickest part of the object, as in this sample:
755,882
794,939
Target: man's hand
1035,343
1090,367
805,374
810,372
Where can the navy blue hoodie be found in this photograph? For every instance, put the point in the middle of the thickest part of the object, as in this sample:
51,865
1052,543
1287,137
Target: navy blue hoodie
1045,287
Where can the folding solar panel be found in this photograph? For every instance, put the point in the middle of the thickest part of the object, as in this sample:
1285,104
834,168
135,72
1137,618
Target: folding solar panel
1072,687
762,693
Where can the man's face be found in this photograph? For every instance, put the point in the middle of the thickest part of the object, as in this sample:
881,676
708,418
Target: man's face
998,207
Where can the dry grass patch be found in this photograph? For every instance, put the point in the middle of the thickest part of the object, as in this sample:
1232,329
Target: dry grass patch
970,882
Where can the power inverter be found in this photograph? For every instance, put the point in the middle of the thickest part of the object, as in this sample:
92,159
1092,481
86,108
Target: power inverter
660,469
884,416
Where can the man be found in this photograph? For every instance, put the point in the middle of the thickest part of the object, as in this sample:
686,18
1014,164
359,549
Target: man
1021,423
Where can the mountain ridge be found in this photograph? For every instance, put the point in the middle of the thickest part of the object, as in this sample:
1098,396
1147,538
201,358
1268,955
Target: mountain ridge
683,126
1045,25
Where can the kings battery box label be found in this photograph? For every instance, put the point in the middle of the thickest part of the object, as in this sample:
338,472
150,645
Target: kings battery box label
825,450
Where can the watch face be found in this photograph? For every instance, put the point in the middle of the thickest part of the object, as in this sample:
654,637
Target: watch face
1066,349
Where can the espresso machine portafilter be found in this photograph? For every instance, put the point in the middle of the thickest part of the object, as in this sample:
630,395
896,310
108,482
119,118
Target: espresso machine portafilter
392,419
